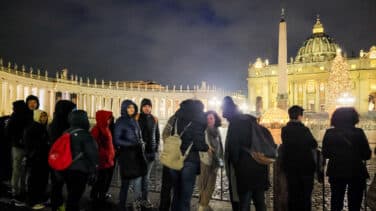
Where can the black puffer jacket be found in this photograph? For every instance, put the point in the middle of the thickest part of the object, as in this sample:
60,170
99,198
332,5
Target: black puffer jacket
82,142
20,119
191,111
346,149
36,141
250,175
150,134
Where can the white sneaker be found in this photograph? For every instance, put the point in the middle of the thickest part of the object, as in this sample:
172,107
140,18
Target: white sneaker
38,207
19,203
146,204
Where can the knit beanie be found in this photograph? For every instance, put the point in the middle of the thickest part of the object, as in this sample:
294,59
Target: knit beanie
145,102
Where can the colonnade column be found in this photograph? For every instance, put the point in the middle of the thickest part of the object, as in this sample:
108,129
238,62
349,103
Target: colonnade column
20,92
156,107
295,101
47,101
2,98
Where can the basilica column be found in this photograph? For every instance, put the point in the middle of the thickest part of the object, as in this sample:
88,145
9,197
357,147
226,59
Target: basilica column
295,93
305,96
317,96
265,95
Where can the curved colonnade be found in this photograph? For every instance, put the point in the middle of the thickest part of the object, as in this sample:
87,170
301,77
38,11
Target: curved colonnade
16,85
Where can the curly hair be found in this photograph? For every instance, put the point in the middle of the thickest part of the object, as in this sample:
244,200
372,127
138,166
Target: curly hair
344,117
218,121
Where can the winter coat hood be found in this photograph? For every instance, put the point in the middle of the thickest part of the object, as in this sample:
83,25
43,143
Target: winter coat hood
21,113
32,97
19,106
102,118
36,115
63,108
124,106
19,120
229,108
79,119
60,120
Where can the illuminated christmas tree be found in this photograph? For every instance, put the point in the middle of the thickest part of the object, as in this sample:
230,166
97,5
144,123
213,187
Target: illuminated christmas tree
339,84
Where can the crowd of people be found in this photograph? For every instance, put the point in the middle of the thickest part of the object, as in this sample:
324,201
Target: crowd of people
133,141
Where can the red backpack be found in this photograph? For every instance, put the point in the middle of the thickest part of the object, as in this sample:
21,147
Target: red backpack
60,155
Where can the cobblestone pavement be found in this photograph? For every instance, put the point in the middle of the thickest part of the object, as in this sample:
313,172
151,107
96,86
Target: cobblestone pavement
220,195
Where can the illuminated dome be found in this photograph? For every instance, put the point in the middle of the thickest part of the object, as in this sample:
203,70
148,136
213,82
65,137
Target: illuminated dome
318,48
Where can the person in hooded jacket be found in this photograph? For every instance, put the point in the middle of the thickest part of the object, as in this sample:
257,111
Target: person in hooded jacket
85,159
102,135
58,125
347,149
18,122
190,119
32,102
127,136
36,141
247,178
150,135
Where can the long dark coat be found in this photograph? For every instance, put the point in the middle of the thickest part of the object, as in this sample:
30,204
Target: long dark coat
249,174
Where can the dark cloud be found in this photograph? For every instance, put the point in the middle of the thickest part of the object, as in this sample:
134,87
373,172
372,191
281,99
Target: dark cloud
171,41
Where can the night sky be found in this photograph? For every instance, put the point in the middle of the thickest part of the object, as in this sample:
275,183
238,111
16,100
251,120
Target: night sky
171,42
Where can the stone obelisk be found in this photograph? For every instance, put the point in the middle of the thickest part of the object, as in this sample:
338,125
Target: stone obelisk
282,95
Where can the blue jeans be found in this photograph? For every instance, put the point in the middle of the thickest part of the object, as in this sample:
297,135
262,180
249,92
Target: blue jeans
258,198
183,184
141,188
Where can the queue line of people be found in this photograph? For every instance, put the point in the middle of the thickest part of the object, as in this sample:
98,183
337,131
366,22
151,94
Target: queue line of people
137,134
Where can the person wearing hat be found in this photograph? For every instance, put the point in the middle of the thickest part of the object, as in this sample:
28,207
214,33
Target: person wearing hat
297,160
32,102
150,135
247,178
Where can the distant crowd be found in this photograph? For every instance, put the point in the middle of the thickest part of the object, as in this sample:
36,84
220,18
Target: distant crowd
36,153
